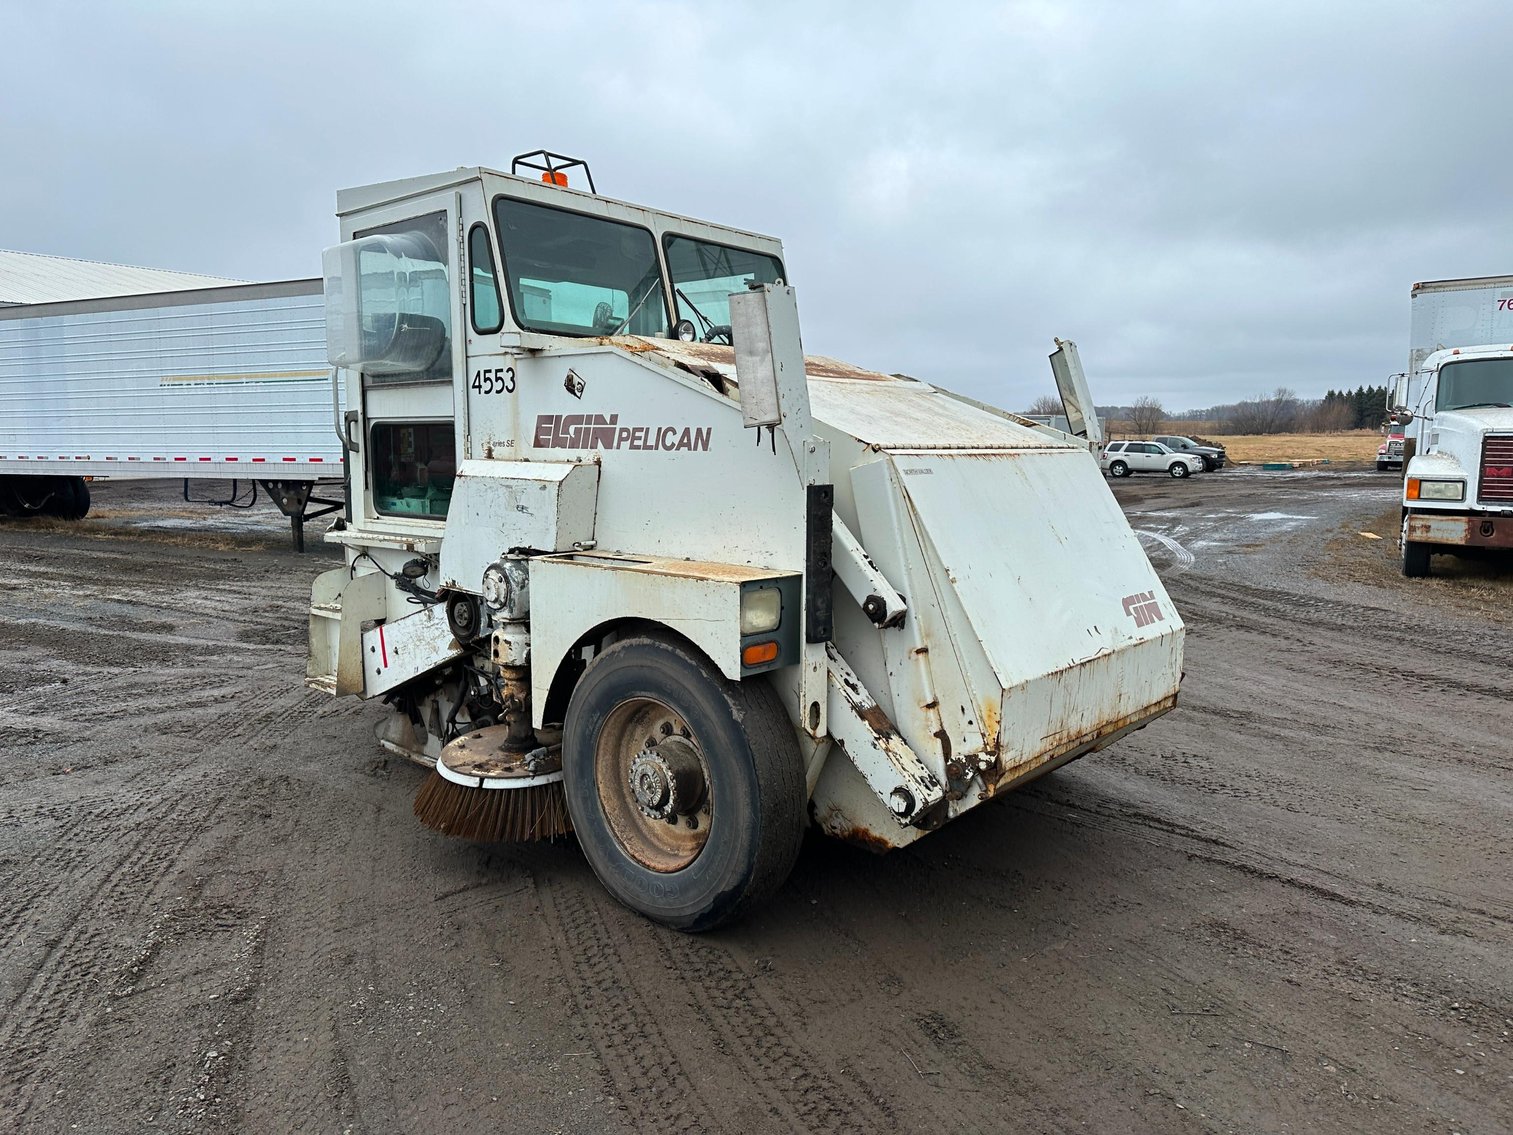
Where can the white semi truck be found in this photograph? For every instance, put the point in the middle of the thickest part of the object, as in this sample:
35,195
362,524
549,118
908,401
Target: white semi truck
1456,399
613,536
218,384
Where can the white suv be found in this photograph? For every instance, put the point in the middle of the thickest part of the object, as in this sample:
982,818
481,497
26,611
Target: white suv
1121,458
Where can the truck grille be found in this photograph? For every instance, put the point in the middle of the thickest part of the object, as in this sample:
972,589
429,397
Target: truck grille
1395,447
1497,469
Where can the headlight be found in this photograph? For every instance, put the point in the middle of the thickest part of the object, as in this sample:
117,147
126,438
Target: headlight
1419,489
761,610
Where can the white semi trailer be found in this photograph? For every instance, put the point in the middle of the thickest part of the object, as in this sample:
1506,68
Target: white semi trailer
212,384
1456,399
614,536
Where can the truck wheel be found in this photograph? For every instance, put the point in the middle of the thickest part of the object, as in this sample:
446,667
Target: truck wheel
1179,470
686,790
1415,559
1118,469
1381,466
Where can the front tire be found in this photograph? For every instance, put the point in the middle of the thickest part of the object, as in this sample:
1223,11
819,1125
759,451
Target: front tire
1118,469
686,789
1179,470
1415,554
1415,559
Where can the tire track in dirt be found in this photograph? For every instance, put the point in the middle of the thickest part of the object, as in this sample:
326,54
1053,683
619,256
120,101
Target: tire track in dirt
645,1076
1444,914
65,986
796,1082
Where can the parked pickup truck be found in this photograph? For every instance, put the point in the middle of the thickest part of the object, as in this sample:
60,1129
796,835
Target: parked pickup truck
1121,458
1213,456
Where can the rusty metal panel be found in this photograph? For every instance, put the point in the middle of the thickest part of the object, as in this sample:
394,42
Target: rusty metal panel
865,734
1037,628
904,414
396,651
573,594
1473,531
1429,529
716,357
498,505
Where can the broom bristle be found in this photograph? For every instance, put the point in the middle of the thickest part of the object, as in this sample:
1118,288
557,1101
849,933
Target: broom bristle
493,815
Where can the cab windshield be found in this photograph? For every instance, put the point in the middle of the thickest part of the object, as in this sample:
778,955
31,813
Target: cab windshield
573,274
1475,382
703,276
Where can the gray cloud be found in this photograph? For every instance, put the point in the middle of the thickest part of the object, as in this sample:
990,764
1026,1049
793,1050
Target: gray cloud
1213,199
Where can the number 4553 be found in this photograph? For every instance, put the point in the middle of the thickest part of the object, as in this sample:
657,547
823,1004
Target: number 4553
494,380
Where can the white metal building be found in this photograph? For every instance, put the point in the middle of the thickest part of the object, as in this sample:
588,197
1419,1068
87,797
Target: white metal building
29,277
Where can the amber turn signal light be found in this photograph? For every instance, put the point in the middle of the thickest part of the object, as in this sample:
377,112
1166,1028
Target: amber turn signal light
758,653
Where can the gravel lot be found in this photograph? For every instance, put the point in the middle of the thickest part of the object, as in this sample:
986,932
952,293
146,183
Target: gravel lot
1287,906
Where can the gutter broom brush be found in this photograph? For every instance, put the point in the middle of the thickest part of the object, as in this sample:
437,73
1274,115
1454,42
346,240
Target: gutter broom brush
483,790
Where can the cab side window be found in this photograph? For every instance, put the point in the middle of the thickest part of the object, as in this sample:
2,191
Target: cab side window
483,284
413,465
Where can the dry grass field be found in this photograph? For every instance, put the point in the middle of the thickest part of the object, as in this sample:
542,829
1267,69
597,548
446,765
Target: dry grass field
1352,448
1356,447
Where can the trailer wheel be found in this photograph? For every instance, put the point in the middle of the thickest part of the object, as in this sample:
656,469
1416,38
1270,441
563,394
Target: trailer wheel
1118,469
74,502
686,789
1179,469
35,496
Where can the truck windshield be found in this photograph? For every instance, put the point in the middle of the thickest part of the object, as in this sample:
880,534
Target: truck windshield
1475,382
703,276
572,274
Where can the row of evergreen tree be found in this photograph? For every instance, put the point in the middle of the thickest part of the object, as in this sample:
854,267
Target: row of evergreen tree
1363,408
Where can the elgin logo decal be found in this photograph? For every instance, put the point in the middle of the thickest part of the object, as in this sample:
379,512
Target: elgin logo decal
604,431
1143,608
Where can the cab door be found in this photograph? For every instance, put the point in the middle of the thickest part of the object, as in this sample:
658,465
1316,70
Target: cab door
394,318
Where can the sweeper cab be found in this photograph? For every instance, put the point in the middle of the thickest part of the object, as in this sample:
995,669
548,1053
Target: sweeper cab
622,559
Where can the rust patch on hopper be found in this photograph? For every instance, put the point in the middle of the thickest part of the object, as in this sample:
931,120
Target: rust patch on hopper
861,837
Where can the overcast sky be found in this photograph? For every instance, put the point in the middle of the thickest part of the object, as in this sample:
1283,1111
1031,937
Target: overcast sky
1212,198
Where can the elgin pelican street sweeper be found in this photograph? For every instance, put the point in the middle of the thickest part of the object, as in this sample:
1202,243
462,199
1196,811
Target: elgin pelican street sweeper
623,561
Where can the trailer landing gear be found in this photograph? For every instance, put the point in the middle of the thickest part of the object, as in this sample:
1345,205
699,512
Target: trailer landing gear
294,499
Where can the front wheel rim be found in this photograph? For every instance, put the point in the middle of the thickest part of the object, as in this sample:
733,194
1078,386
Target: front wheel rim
653,784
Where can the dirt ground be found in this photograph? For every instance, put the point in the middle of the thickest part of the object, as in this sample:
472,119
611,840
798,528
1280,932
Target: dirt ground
1286,906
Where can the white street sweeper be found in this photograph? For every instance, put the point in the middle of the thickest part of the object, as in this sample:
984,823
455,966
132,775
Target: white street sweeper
624,561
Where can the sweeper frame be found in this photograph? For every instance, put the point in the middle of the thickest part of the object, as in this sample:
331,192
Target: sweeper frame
619,550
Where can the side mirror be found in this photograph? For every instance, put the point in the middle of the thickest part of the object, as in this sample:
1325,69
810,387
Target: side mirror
1401,416
769,358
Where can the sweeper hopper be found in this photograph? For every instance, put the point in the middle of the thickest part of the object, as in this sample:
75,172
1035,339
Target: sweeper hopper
619,551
